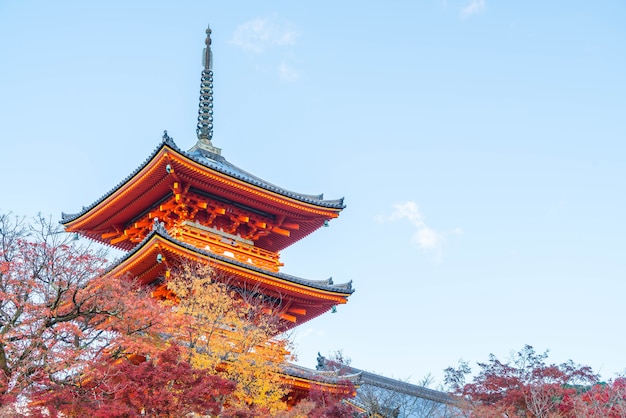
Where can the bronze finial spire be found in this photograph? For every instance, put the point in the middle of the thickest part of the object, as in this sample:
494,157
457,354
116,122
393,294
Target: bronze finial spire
207,57
204,128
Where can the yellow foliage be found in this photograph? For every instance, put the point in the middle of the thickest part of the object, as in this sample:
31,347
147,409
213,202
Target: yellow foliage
232,332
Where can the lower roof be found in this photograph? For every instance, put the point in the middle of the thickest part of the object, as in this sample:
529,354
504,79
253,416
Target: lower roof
327,285
303,299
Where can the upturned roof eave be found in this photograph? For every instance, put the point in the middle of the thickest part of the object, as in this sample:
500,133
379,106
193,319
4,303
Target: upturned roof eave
343,290
311,376
234,172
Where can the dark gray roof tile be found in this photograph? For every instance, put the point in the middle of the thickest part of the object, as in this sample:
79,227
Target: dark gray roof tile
217,163
345,288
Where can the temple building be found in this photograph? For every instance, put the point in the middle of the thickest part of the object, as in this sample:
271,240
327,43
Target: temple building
195,205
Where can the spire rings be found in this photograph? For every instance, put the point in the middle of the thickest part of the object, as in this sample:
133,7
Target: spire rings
204,128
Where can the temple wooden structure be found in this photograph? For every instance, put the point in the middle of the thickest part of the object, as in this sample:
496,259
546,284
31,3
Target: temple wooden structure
196,205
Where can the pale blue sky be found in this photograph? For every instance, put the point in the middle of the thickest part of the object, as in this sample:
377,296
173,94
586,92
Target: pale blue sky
479,146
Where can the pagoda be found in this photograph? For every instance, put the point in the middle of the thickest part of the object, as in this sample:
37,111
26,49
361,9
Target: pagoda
195,205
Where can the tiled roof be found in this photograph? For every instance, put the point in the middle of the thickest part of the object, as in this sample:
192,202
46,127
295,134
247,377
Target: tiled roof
217,163
368,378
320,375
326,285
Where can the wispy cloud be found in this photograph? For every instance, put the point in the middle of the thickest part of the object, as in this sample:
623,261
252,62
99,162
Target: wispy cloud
257,35
270,37
474,7
424,237
287,73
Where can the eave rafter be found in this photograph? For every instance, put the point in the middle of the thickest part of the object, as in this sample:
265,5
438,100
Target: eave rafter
290,311
186,203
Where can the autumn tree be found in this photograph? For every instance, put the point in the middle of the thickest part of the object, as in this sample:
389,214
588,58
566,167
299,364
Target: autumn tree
233,332
527,386
75,341
331,404
161,386
604,399
57,312
324,403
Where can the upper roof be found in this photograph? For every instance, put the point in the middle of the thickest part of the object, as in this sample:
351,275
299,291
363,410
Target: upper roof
215,162
219,163
207,172
202,171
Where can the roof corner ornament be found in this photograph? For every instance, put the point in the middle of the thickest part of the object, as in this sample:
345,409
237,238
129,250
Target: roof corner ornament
321,362
166,137
204,128
158,226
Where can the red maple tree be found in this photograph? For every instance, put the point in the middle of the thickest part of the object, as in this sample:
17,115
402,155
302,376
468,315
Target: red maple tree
58,314
161,386
528,387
